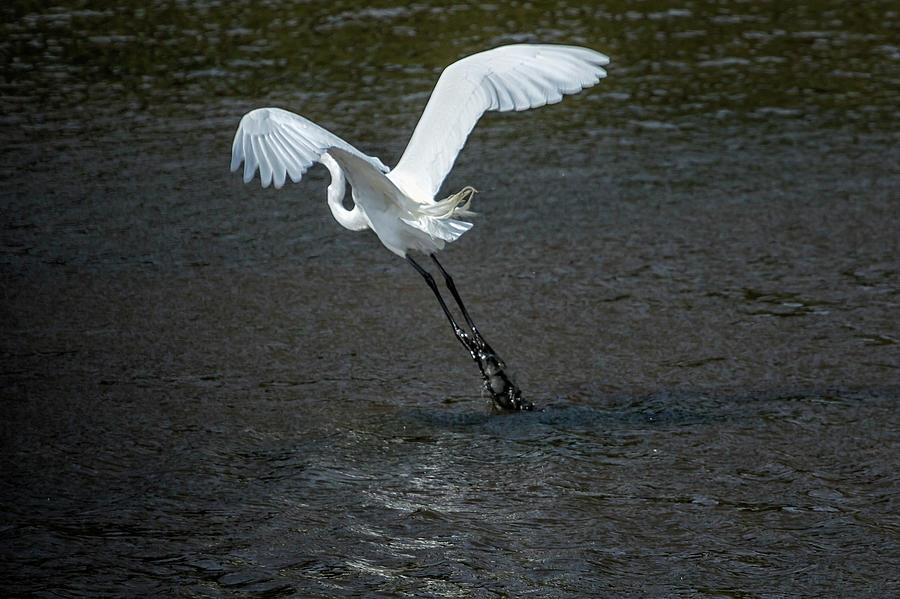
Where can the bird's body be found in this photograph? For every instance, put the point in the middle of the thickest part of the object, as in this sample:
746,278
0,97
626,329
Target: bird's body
399,205
400,222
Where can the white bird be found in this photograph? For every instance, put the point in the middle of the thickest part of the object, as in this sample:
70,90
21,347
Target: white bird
399,205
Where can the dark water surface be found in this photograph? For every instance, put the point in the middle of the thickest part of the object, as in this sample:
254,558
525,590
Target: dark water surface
213,390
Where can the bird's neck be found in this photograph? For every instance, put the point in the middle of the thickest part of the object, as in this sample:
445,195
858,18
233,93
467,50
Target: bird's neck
353,219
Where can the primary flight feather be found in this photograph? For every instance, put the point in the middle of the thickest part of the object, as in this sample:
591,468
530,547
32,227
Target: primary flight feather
399,205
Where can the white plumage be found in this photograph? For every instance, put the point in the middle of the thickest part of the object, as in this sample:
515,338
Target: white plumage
398,205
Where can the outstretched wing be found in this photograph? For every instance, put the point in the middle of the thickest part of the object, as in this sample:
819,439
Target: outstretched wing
514,77
280,143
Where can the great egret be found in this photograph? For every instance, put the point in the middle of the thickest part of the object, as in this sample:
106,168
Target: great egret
399,205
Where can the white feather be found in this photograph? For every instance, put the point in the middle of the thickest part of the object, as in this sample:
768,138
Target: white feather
514,77
399,205
279,142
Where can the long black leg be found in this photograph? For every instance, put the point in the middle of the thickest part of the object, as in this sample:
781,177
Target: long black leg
503,390
450,285
460,334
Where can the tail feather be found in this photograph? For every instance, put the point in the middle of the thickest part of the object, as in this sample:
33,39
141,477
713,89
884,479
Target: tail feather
448,229
440,219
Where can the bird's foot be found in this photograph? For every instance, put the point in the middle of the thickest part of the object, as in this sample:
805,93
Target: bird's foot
497,382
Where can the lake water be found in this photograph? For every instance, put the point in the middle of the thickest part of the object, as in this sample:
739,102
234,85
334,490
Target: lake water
213,390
